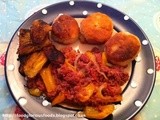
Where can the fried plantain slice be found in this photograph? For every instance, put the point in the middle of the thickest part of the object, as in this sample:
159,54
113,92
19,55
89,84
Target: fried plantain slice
34,64
39,31
25,44
55,56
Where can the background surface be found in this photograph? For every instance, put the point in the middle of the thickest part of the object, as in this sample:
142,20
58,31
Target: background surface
146,13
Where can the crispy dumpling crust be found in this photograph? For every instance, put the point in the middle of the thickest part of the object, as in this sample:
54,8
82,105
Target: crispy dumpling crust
122,48
97,28
65,30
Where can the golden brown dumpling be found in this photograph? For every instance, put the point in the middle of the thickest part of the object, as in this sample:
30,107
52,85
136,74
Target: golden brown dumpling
65,30
97,28
122,48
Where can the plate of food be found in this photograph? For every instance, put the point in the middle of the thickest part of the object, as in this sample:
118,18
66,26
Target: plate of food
80,60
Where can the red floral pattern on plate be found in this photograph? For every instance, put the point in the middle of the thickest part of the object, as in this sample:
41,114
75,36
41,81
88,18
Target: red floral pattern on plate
2,58
157,63
19,112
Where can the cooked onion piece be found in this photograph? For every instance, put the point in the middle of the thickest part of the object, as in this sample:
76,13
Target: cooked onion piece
107,98
86,92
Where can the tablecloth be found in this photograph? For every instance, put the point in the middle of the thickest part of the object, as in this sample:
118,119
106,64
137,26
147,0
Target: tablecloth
146,13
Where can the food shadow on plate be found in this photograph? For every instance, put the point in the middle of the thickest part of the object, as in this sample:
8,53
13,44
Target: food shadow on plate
131,75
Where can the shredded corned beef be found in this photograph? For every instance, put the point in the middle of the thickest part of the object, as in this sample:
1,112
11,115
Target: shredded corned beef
115,75
70,54
72,80
78,72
